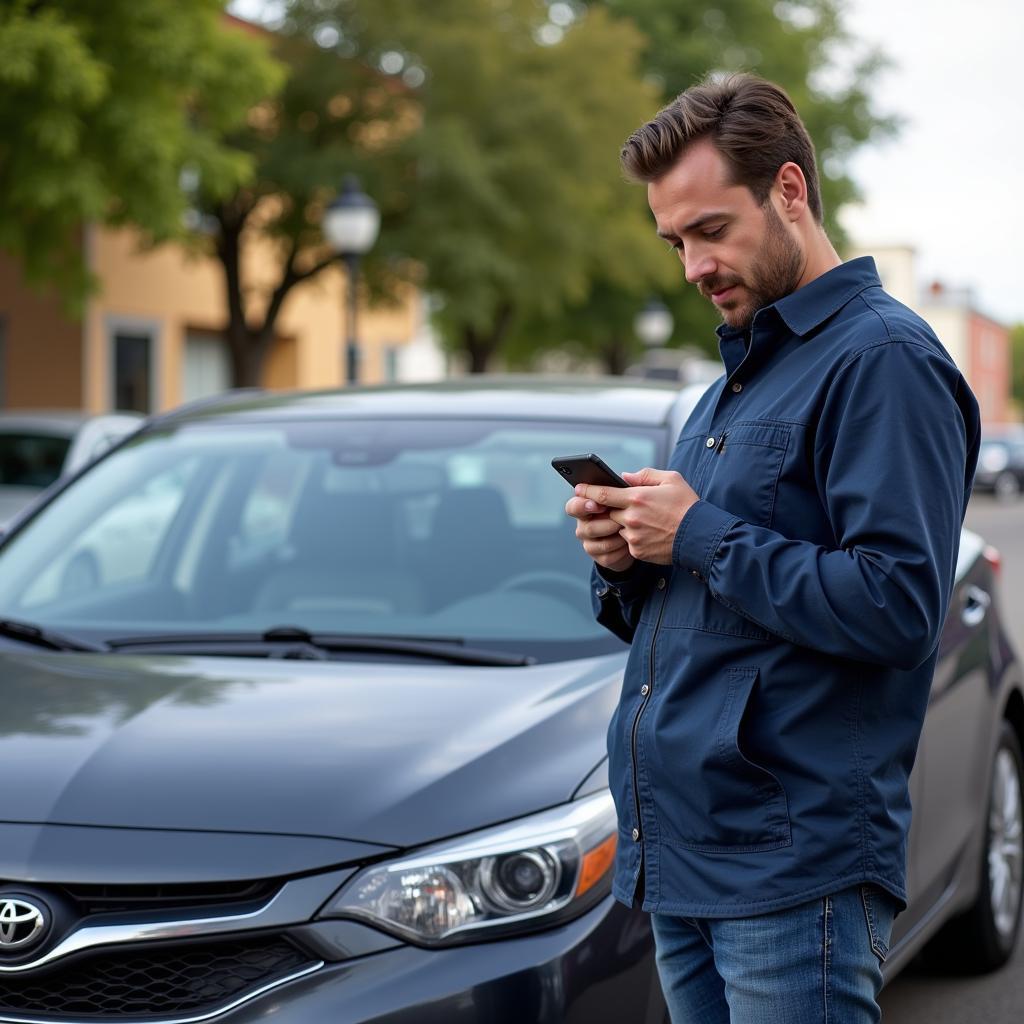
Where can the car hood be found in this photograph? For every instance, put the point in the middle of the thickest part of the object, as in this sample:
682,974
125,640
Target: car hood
387,754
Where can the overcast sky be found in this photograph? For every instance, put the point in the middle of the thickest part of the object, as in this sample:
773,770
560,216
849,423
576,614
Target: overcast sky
946,184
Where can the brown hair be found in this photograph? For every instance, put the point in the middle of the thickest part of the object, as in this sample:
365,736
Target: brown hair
750,121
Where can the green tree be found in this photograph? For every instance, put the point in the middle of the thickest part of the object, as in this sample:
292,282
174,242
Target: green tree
486,148
519,198
105,104
793,43
337,113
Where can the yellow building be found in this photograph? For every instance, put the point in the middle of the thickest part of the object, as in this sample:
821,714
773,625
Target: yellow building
151,337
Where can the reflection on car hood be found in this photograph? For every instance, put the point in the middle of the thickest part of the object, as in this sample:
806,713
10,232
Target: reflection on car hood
389,754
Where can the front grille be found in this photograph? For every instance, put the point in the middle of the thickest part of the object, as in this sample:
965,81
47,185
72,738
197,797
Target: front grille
105,899
165,981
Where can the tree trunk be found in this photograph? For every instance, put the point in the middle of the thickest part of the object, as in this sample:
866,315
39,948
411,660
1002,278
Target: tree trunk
245,372
481,347
247,356
248,344
616,354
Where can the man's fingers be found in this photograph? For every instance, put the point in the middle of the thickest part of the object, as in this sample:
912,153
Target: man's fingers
576,507
649,476
609,497
601,548
596,528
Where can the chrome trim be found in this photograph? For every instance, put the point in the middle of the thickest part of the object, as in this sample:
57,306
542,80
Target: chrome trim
976,602
10,919
182,1020
294,903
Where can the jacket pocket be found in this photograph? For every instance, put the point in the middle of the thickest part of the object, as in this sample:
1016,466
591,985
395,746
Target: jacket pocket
690,605
710,795
743,472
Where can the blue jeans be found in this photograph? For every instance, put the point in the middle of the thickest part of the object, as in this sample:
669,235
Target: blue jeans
817,963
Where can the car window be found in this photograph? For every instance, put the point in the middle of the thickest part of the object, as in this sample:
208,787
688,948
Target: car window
31,460
406,528
120,546
267,511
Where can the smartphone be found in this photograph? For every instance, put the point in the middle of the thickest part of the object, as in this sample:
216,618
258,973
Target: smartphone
587,469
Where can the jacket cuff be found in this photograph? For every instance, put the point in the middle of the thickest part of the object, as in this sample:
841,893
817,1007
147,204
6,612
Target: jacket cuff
620,584
698,537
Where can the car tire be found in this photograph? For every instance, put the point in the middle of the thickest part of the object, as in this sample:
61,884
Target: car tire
984,938
1006,486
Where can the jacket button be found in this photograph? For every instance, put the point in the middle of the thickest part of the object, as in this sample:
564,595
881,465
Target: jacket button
644,690
737,387
636,834
710,442
693,572
661,582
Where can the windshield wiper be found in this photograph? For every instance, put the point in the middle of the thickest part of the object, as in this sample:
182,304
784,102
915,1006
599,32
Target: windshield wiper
300,643
29,633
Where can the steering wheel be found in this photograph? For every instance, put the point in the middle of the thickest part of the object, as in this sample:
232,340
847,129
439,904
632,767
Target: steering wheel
548,581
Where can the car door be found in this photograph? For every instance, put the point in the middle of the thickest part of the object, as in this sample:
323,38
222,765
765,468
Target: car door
952,764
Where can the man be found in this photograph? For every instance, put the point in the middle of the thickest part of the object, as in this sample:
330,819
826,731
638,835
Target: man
783,586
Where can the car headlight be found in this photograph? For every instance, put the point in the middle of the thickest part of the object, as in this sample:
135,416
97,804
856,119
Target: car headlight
528,873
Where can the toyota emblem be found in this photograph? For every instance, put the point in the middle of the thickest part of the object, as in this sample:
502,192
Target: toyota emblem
21,923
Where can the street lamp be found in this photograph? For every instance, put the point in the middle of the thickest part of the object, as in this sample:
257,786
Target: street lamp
350,225
653,324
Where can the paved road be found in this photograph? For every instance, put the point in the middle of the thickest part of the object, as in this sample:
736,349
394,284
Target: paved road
919,998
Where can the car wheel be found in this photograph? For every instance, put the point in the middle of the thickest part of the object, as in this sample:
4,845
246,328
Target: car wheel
984,938
1007,486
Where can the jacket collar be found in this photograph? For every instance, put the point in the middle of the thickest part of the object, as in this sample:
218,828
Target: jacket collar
809,307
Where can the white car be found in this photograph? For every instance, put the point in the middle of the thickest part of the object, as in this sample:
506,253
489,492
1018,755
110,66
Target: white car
37,448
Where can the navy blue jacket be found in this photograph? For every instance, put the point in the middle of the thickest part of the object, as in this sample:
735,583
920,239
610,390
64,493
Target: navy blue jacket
780,667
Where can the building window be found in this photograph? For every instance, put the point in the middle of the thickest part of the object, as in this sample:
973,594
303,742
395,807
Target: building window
207,366
391,362
133,371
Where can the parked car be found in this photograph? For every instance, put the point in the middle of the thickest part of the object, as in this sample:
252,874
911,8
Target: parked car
36,448
333,746
1001,463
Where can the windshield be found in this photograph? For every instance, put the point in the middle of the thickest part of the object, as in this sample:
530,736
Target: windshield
31,460
390,528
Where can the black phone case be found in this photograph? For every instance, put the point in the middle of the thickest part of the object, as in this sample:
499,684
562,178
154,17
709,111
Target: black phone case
587,469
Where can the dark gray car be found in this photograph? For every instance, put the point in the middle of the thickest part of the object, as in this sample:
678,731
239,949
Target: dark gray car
325,741
1001,464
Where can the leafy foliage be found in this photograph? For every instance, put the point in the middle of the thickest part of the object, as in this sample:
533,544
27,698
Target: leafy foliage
794,43
104,104
487,131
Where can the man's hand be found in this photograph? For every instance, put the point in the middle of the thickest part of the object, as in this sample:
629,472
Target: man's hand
600,535
647,513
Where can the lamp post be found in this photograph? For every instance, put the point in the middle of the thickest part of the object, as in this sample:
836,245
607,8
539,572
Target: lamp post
653,324
350,225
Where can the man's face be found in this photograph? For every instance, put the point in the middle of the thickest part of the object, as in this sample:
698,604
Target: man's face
740,255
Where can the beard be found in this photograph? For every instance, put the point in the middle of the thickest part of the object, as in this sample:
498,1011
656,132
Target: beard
775,273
